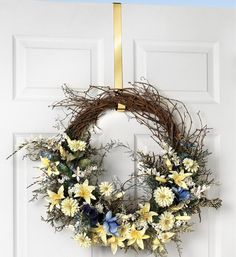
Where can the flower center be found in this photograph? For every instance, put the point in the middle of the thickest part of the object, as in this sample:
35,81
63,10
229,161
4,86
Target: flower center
84,192
167,222
163,196
135,234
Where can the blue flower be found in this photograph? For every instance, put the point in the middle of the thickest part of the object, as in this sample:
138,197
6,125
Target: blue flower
46,154
110,224
181,194
91,213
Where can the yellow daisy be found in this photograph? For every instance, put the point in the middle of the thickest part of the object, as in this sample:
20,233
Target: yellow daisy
69,207
179,178
85,191
163,196
106,188
83,240
145,213
137,236
55,198
167,221
115,241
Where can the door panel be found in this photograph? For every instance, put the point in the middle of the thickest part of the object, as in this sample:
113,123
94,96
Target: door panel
187,53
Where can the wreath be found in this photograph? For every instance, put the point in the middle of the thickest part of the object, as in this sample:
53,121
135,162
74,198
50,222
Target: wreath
101,213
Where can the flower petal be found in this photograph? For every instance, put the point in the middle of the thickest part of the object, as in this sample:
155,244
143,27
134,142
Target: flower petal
113,227
114,248
140,243
108,215
106,226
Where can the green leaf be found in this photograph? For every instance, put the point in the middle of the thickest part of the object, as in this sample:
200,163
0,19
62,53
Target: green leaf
84,163
64,169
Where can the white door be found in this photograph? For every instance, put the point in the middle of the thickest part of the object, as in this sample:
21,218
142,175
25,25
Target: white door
188,53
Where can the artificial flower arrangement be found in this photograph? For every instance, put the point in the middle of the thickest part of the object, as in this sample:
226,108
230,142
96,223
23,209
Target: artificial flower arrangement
100,213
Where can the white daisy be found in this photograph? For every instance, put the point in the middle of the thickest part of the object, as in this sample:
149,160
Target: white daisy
99,207
106,188
198,191
175,159
69,207
189,182
163,196
83,240
167,149
190,165
167,221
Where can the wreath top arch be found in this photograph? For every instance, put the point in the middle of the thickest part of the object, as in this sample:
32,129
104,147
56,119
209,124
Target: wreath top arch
100,213
160,114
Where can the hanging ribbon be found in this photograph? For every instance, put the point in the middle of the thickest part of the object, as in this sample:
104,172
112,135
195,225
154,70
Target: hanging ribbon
118,69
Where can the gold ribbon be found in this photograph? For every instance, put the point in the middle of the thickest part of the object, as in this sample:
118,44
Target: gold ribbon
118,75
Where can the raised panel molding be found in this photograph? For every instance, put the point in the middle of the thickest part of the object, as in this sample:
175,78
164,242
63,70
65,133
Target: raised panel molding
43,64
188,71
207,232
30,232
213,143
21,177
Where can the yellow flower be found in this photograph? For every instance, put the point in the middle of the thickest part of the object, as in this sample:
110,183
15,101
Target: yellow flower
69,207
179,178
85,191
65,155
101,233
119,195
95,239
190,165
167,221
106,188
49,166
156,244
45,162
63,152
124,230
115,242
177,207
55,198
76,145
165,237
137,236
183,218
83,240
161,179
163,196
145,213
168,164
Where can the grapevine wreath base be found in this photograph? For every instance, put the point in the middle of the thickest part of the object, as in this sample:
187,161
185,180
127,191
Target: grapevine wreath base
101,213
